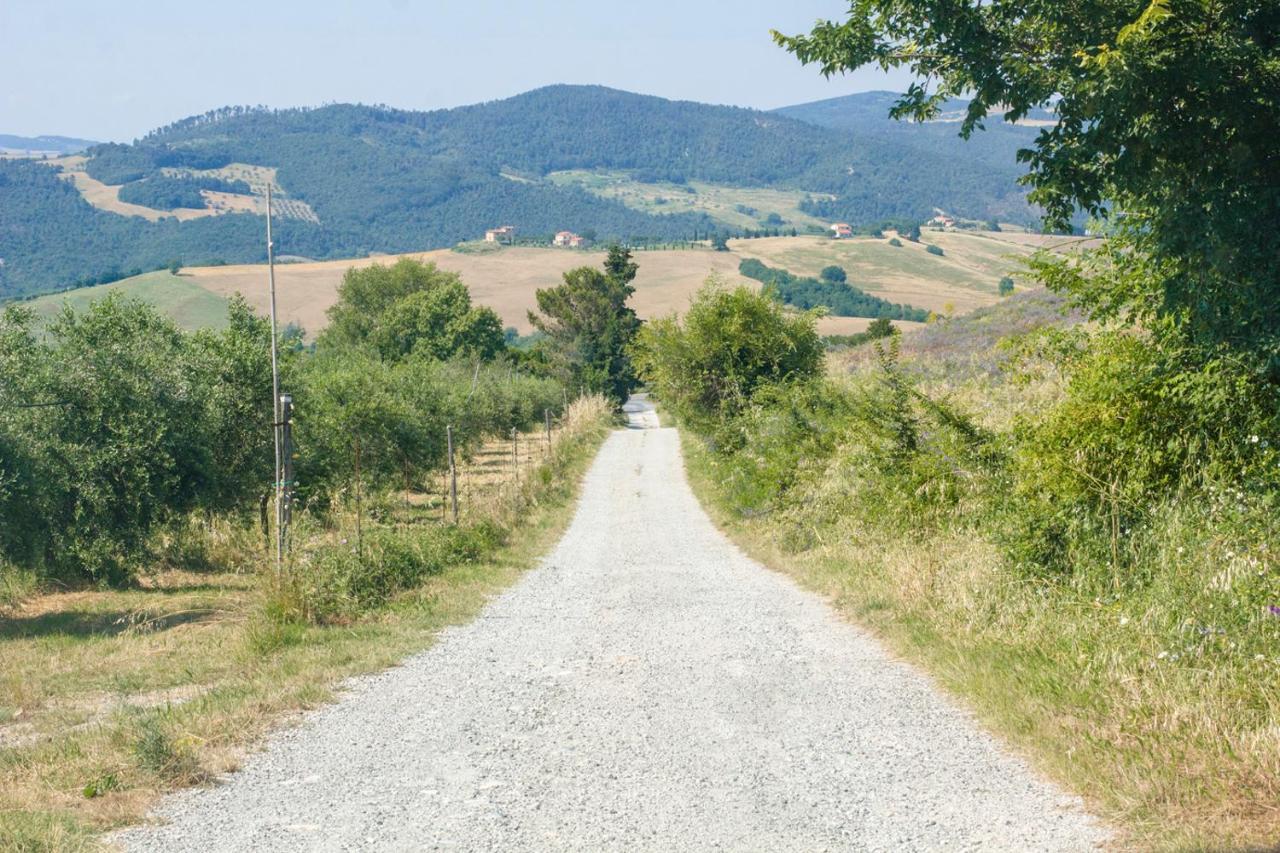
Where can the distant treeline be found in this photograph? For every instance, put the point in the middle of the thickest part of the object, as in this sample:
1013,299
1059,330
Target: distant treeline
840,298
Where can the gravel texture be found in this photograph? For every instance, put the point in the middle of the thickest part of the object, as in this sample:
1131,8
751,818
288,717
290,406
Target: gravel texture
647,687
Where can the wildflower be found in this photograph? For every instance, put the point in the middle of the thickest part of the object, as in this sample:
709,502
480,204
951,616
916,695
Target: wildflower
1124,620
1275,611
1253,439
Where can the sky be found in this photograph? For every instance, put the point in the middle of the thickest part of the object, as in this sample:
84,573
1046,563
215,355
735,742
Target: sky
111,71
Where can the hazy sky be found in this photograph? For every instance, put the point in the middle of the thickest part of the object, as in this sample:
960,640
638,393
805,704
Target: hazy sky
114,70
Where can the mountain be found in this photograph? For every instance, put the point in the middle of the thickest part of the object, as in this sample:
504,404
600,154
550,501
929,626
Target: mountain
354,179
868,113
43,144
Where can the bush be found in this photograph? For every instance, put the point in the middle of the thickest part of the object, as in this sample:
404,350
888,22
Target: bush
934,250
833,274
731,343
1138,424
338,582
894,241
1006,286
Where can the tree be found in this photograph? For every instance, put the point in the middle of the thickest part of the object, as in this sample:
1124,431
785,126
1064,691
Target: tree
730,344
834,274
409,308
719,242
1006,286
619,266
589,326
934,250
1157,135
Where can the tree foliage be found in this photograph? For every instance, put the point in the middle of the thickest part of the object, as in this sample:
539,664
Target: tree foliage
731,343
589,326
411,308
1158,134
839,298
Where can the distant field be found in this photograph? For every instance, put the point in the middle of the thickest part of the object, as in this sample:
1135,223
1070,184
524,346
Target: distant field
966,276
107,197
190,305
963,279
723,203
505,280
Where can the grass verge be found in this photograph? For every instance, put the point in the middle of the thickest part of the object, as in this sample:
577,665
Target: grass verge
110,698
1164,725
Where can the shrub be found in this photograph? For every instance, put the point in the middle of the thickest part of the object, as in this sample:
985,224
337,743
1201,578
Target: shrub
1006,286
1138,423
730,343
834,274
894,241
934,250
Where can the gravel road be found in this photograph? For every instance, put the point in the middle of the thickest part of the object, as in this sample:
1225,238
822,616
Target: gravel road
647,687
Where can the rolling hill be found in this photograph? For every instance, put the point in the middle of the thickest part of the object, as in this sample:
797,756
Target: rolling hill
352,180
506,279
30,145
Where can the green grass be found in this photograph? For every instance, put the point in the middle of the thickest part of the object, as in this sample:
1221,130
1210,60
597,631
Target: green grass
718,201
189,304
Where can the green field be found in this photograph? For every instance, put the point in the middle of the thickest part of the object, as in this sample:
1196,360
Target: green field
190,305
731,206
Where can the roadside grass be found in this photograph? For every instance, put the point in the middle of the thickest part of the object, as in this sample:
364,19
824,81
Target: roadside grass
1154,694
110,698
190,305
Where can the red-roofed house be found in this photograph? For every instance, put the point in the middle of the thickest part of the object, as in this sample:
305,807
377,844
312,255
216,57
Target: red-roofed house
841,231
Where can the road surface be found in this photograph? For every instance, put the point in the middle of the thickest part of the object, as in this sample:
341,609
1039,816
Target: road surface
647,687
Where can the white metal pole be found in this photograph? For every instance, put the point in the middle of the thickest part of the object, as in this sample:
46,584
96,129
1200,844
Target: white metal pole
275,393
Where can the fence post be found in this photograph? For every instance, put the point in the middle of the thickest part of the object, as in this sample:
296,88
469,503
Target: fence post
546,416
453,475
515,455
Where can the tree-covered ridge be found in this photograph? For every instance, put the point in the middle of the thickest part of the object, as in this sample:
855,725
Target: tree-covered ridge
839,297
392,181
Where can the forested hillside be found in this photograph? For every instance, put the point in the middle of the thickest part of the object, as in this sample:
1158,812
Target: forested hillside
389,180
995,146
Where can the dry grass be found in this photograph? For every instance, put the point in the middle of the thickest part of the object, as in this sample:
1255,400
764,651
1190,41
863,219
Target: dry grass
110,698
966,277
507,281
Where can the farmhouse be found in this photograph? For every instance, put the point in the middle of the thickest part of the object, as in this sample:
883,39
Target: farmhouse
568,238
943,221
505,234
841,230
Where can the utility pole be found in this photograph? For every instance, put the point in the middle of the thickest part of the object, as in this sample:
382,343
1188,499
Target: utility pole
286,468
453,475
277,421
